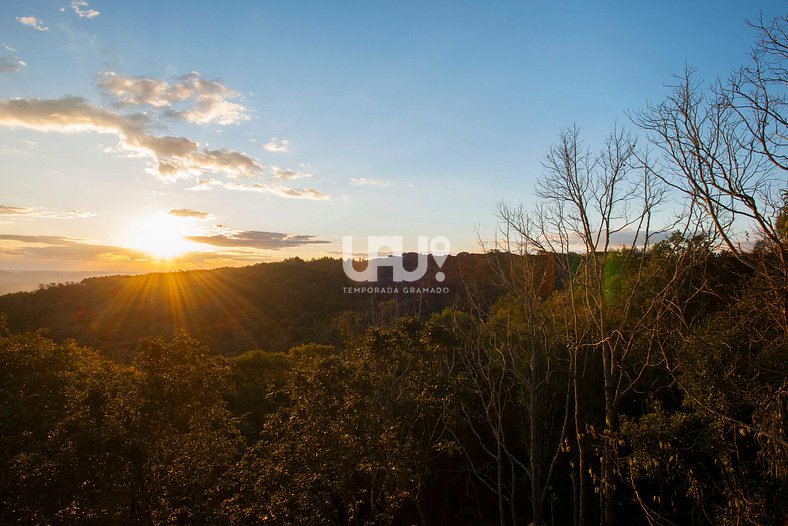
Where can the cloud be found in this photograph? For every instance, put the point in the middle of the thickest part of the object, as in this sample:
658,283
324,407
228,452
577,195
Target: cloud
12,210
299,193
282,191
287,175
277,145
68,114
193,98
189,212
61,248
31,21
365,181
22,211
172,157
257,239
11,65
43,240
81,8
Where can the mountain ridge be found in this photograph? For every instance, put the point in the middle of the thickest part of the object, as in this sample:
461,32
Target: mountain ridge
272,306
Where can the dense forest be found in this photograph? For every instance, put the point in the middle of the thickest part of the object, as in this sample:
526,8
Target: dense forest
593,366
270,306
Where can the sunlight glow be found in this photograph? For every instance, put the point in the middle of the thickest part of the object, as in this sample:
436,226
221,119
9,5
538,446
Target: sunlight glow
160,235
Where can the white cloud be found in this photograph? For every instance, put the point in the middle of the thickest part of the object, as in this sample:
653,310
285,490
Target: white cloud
277,145
172,157
287,175
282,191
12,210
9,48
81,8
299,193
190,212
193,98
31,21
365,181
256,239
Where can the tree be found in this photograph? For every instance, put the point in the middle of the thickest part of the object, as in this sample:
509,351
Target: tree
178,436
354,440
59,433
518,374
756,92
724,152
590,202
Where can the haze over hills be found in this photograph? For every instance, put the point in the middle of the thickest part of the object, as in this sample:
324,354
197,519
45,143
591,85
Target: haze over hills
28,280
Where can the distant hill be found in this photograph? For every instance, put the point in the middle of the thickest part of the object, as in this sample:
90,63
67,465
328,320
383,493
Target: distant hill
27,280
271,306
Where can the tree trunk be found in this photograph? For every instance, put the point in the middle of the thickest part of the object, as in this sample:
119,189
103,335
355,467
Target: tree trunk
610,419
580,513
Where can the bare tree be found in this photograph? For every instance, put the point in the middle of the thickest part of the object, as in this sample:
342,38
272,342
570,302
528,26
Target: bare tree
710,157
595,199
756,92
538,364
724,152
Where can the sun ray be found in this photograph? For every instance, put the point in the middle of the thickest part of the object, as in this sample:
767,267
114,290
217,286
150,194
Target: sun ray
171,300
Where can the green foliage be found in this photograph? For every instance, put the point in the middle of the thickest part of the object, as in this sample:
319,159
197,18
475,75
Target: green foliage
180,437
352,444
676,458
311,351
112,445
381,428
256,382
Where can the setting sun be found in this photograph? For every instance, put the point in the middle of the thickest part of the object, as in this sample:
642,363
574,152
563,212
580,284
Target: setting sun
160,235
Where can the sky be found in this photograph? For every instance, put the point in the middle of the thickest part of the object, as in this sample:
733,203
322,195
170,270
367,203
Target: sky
144,136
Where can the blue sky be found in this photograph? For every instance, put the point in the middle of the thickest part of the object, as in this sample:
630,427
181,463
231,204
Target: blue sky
380,118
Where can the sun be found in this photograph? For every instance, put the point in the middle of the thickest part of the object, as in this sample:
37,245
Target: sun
161,236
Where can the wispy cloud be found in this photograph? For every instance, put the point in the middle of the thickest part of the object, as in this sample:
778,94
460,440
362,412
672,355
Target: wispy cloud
81,8
257,239
42,240
31,21
283,174
59,248
365,181
299,193
11,65
189,212
172,157
193,98
12,210
277,145
282,191
7,211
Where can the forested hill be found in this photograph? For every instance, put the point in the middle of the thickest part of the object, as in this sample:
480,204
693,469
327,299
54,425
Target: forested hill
271,306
